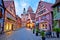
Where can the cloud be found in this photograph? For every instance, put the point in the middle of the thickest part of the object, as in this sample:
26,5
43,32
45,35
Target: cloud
19,5
24,4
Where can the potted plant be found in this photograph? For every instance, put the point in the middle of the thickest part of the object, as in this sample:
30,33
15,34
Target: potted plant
37,30
57,30
43,35
33,30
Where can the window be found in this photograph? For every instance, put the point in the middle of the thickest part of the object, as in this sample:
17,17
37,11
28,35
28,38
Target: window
58,8
0,13
43,17
11,9
42,5
45,26
42,11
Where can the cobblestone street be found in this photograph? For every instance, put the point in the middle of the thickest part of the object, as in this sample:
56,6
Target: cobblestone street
23,34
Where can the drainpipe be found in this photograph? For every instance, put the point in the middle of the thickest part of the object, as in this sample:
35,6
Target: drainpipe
52,20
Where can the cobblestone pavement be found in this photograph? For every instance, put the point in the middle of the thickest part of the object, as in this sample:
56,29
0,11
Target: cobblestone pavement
52,38
22,34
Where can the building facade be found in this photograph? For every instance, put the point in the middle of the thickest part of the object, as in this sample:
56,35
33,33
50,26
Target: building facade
18,22
44,15
10,15
1,16
56,14
28,18
23,18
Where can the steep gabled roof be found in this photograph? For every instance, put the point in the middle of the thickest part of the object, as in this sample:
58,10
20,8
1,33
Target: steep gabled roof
30,9
9,4
45,4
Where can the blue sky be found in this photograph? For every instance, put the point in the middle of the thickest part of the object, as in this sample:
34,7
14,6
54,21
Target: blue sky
20,4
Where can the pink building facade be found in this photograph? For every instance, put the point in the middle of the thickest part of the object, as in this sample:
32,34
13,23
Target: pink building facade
10,15
44,15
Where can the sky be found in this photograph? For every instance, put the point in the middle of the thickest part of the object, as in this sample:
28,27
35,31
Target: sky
20,4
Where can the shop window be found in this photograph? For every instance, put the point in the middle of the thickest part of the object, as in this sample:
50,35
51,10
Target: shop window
45,26
0,13
8,27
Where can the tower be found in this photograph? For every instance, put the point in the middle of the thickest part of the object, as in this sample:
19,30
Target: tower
24,11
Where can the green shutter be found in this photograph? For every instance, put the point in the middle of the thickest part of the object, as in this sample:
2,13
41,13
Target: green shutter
54,15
